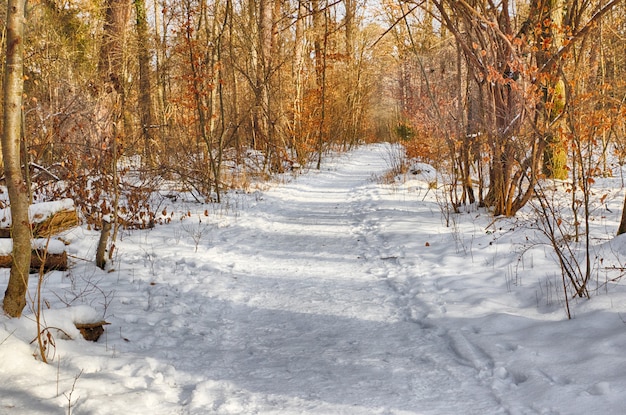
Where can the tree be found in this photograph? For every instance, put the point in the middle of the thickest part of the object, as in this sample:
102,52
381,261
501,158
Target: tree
15,295
111,70
516,57
298,68
320,27
111,62
550,14
262,13
145,85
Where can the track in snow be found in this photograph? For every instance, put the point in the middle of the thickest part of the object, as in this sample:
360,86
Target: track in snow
302,304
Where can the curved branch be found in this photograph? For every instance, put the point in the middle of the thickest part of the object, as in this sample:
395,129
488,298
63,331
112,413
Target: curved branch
579,35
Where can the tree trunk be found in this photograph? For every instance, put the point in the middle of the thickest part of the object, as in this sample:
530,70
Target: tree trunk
101,249
554,100
111,62
15,295
350,28
262,87
234,109
111,70
298,77
161,28
622,224
320,28
145,86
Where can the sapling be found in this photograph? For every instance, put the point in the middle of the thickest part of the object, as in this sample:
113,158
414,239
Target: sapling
197,232
68,395
43,343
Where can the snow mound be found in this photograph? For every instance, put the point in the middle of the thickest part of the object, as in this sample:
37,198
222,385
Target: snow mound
53,246
423,171
38,212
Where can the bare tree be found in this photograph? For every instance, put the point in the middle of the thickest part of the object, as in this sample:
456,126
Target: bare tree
263,13
514,57
111,69
15,295
299,50
145,84
111,62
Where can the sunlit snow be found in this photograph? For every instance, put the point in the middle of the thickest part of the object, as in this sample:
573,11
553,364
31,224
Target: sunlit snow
330,293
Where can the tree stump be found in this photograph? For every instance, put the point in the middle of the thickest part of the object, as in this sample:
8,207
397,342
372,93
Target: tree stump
91,331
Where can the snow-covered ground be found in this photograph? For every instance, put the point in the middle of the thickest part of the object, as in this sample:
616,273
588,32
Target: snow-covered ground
332,293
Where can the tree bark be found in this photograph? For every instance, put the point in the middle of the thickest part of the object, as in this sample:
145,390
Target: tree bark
111,70
145,85
298,77
554,100
622,225
102,244
15,295
350,28
317,8
262,85
320,28
111,63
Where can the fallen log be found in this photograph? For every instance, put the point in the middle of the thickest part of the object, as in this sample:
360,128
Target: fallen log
52,262
46,218
50,253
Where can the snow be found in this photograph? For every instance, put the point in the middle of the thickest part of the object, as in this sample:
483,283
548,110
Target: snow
330,293
38,212
51,246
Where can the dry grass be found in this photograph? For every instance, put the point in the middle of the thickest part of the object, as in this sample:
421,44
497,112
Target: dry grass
55,224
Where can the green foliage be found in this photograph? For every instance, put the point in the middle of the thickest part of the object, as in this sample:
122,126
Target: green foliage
404,132
555,161
70,28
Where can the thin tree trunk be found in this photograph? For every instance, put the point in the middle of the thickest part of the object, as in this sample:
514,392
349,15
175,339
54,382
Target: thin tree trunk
111,71
318,31
350,28
111,63
105,233
234,111
555,154
15,295
320,26
463,134
214,31
262,77
161,81
298,71
145,85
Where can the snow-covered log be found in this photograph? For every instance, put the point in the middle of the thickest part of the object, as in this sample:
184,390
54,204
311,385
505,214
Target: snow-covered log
49,252
46,218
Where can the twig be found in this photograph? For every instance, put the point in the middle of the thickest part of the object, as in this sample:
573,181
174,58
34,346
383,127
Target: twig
69,395
7,337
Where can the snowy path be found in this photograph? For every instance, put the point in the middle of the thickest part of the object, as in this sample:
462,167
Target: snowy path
293,311
331,294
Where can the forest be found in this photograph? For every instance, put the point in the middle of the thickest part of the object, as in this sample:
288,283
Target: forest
107,101
314,207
